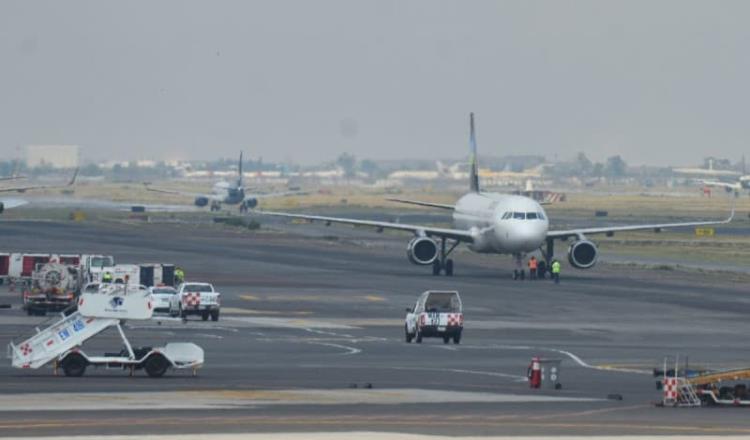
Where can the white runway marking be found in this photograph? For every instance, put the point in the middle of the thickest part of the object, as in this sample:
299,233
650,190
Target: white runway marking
349,350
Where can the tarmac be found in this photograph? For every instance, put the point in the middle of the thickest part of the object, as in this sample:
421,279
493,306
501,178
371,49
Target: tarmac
311,340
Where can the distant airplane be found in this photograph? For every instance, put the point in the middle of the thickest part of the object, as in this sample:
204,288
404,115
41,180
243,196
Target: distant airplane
736,184
494,223
228,193
22,189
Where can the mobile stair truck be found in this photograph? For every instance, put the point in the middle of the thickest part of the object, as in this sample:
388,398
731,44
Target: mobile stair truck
99,309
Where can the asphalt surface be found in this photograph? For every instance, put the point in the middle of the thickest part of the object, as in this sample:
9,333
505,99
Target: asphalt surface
310,314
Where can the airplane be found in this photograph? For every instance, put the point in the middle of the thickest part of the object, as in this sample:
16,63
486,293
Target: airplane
23,189
738,183
494,223
228,193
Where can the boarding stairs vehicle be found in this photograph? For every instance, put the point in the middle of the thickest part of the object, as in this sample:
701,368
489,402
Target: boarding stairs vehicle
686,387
105,307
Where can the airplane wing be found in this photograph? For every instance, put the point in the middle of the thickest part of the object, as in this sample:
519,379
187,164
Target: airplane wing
180,193
419,203
34,187
11,203
276,194
657,227
456,234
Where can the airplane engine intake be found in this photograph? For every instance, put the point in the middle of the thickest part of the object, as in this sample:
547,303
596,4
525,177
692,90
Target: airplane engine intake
251,203
422,251
582,254
201,201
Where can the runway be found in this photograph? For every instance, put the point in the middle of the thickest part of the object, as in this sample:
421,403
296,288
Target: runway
311,339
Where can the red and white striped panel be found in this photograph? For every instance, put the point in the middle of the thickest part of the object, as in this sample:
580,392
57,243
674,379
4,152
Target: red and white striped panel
191,300
455,319
670,388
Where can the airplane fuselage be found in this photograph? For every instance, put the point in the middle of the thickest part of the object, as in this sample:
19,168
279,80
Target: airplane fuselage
228,193
504,224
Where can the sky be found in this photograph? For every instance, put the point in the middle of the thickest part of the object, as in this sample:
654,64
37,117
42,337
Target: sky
657,82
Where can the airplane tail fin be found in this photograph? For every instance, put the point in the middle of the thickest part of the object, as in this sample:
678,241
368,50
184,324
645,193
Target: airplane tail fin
474,169
239,172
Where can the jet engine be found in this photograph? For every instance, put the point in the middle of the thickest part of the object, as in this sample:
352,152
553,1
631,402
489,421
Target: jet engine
201,201
422,250
251,203
582,254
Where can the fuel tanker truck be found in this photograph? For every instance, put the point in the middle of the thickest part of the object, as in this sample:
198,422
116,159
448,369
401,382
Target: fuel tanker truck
53,286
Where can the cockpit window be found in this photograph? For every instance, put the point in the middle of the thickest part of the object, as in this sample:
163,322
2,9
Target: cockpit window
506,215
519,216
540,215
531,216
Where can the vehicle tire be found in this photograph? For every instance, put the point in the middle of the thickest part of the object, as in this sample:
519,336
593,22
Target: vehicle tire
156,365
419,337
436,268
449,268
183,314
457,338
214,315
446,339
74,365
174,313
204,315
408,336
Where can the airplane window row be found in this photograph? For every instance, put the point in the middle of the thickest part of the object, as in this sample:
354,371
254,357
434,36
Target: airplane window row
523,216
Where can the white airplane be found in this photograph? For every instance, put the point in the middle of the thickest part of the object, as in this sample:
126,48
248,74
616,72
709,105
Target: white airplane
228,193
496,224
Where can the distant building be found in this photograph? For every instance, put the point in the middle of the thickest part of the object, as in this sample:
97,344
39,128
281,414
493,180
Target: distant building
56,156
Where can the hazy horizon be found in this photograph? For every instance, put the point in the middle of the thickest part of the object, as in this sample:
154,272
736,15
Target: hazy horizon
660,83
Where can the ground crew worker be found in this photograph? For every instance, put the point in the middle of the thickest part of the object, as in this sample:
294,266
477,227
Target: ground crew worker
179,275
533,264
107,277
555,269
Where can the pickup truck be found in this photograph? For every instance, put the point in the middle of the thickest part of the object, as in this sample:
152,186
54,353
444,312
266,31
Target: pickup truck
196,299
436,313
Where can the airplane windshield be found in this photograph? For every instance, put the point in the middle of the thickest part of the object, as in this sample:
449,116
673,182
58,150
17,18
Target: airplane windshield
519,215
531,216
540,215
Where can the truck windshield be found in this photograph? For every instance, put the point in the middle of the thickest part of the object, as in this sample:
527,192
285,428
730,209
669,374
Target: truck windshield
197,288
443,302
101,262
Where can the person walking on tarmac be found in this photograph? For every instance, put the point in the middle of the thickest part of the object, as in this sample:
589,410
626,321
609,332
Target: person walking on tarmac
179,275
533,264
555,269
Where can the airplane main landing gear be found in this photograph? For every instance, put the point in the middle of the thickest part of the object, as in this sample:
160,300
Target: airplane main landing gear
215,207
443,263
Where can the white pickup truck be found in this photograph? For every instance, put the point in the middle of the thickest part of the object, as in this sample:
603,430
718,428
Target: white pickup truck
196,299
438,314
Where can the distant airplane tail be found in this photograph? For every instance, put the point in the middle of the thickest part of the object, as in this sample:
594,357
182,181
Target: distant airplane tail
474,169
239,172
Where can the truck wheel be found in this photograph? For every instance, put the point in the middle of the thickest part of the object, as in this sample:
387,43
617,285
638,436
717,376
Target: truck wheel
204,315
457,338
74,365
419,337
156,365
446,339
215,315
408,335
183,314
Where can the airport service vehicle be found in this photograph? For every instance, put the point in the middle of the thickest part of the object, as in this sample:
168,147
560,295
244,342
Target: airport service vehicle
18,266
53,286
493,223
162,297
147,274
438,314
100,308
196,299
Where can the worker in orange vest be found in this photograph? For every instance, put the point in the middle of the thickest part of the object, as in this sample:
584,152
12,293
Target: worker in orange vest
533,265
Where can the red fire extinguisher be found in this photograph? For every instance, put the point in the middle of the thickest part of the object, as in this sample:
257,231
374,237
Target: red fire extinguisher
534,373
